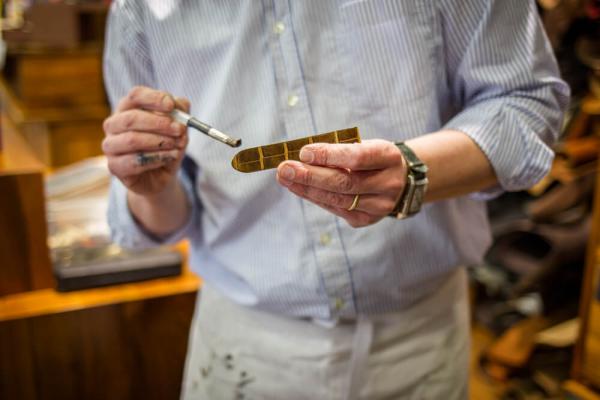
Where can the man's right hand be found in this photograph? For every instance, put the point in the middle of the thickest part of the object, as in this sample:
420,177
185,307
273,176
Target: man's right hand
143,144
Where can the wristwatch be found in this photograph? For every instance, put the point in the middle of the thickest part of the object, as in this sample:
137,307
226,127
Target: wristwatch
415,187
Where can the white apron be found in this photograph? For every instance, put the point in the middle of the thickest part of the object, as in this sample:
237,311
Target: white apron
237,353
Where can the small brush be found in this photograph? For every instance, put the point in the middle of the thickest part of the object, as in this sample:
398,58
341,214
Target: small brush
195,123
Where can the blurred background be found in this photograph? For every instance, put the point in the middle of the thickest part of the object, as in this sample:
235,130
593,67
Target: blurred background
81,318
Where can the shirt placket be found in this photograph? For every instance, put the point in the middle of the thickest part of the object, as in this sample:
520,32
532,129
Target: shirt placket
330,256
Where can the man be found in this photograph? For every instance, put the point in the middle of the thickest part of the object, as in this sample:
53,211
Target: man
298,303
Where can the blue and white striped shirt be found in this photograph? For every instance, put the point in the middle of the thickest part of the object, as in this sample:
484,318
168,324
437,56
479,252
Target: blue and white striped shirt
273,70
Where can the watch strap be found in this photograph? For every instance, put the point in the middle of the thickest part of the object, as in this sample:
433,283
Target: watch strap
414,164
271,155
411,199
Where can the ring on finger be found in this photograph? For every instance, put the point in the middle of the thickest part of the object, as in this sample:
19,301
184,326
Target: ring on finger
354,203
147,158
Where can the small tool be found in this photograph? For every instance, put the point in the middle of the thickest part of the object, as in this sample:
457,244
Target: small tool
188,120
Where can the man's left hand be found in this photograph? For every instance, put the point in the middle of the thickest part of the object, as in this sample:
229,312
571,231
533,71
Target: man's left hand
331,175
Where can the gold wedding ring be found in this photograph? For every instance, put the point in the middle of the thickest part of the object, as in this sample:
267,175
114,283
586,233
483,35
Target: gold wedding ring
354,203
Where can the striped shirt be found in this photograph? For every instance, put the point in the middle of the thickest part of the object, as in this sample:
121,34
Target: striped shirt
273,70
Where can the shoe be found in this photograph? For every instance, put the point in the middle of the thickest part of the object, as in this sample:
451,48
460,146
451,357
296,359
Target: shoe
533,252
565,203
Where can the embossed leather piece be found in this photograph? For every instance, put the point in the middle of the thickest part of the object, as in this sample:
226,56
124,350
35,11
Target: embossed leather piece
270,156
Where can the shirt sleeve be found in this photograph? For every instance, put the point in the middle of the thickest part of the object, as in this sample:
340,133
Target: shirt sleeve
504,78
127,63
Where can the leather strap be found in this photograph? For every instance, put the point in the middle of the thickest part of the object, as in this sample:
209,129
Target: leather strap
411,199
270,156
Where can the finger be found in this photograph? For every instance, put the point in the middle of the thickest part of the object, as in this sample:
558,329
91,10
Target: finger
341,180
140,120
372,204
355,218
183,104
148,99
134,142
133,164
368,155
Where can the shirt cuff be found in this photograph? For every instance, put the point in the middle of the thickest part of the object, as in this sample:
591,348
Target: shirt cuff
127,232
517,154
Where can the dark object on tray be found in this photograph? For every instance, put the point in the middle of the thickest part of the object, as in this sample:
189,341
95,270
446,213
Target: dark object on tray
84,267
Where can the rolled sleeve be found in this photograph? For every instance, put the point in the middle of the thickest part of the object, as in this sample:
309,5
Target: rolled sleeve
127,232
505,80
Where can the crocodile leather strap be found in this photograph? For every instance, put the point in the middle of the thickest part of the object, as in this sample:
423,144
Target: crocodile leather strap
271,155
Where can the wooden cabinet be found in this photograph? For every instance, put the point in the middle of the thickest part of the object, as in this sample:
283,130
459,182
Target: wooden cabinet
120,342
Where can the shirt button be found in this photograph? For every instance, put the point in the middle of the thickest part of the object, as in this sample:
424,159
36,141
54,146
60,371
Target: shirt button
339,303
278,28
292,100
325,239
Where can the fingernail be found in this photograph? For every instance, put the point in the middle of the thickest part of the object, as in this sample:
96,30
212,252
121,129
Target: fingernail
306,156
284,182
169,156
168,102
287,173
176,127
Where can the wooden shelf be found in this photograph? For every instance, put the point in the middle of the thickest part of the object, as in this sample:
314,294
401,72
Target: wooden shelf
49,301
40,49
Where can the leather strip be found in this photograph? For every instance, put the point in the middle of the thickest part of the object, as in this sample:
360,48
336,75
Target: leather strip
270,156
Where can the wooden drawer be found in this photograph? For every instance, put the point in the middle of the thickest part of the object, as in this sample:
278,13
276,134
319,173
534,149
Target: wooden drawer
65,79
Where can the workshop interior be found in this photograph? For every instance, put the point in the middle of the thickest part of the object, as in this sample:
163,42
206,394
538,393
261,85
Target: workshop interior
82,317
